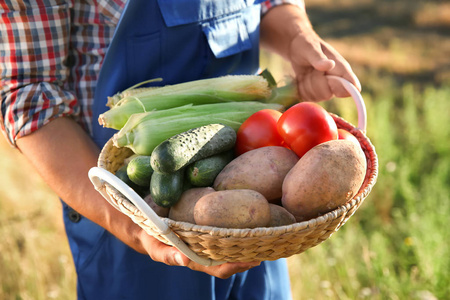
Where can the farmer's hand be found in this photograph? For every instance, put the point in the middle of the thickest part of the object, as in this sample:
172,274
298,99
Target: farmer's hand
311,59
169,255
287,31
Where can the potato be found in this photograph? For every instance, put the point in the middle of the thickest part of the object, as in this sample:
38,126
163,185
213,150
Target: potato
233,209
279,216
159,210
183,210
261,170
327,176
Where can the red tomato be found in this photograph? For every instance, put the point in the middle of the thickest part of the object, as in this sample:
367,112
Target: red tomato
306,125
259,130
345,135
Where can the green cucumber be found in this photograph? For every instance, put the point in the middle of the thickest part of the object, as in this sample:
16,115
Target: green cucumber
166,189
139,170
121,173
192,145
203,172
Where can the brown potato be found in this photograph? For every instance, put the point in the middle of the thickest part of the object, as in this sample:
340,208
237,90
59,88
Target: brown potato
183,210
159,210
261,170
326,177
279,216
233,209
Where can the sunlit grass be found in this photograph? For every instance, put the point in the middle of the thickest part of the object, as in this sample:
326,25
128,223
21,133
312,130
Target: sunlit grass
396,245
35,262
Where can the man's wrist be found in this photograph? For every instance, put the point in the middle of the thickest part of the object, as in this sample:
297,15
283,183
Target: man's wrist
268,5
282,25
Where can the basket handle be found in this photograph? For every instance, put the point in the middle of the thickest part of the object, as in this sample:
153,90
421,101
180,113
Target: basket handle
353,91
98,176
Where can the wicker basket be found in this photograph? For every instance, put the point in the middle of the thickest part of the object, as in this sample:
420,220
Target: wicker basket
211,245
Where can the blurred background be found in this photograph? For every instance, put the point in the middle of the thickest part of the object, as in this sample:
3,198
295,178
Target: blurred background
396,246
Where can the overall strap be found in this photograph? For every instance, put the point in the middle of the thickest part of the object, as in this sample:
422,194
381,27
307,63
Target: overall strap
171,40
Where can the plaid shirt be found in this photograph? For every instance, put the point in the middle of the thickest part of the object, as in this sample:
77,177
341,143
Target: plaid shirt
50,56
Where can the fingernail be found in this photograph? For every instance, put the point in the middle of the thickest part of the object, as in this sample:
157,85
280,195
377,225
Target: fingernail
179,259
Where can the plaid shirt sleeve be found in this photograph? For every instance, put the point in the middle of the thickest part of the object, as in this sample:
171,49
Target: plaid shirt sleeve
266,5
34,46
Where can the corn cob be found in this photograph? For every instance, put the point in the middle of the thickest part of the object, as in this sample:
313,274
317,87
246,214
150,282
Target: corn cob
113,100
205,91
143,131
131,92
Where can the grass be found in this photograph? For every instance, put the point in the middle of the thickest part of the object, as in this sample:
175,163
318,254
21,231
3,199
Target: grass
396,244
35,261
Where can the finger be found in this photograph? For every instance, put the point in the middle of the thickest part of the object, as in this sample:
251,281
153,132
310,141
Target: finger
227,270
223,271
337,88
171,256
306,50
315,55
323,64
313,86
341,69
160,252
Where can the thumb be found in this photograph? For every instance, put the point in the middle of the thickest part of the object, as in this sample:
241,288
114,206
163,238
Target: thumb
322,64
308,50
316,57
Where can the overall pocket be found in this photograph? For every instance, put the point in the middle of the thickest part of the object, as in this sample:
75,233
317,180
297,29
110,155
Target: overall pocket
222,22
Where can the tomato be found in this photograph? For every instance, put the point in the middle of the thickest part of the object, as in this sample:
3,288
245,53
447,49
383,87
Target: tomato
345,135
259,130
306,125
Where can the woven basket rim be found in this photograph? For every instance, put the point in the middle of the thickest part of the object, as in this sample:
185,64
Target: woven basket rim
264,231
248,244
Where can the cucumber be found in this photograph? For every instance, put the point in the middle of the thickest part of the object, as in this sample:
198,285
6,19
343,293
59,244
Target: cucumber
192,145
140,171
203,172
121,173
166,189
187,183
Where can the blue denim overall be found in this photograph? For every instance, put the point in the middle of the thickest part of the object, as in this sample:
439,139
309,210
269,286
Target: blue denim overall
177,40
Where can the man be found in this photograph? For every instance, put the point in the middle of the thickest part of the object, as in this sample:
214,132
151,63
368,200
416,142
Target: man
59,62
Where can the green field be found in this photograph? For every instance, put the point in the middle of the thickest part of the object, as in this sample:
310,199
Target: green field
396,246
